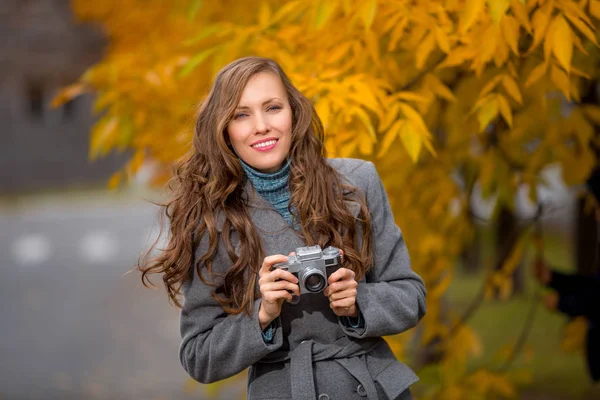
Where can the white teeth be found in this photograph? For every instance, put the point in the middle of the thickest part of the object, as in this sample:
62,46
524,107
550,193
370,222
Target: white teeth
265,144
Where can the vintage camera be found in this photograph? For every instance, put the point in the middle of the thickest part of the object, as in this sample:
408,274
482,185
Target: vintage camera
313,266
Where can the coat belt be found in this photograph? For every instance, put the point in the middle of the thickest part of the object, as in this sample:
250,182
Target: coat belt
309,351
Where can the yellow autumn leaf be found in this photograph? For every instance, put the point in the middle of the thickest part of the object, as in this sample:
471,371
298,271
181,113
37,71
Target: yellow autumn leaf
519,10
68,93
512,88
442,40
497,9
438,87
115,179
389,117
389,137
323,110
397,34
540,22
491,85
324,12
471,12
412,140
561,80
536,74
562,42
102,137
366,120
583,28
365,145
264,15
425,49
367,12
510,31
136,162
487,113
339,52
458,56
415,118
505,110
411,96
372,45
595,8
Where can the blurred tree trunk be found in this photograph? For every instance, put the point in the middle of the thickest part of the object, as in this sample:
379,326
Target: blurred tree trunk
471,254
506,239
586,240
587,235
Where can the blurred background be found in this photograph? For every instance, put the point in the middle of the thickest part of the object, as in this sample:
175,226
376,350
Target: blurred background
76,325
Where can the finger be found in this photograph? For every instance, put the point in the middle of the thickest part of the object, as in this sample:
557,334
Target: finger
279,274
280,285
293,253
269,261
341,274
278,295
342,295
340,286
342,254
343,303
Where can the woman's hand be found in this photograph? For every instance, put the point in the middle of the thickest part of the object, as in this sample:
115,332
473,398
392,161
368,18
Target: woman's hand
275,286
342,293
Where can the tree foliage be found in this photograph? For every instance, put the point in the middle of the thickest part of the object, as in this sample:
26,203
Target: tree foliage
447,97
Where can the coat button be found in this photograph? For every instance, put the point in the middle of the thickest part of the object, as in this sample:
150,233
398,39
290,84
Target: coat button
362,392
324,396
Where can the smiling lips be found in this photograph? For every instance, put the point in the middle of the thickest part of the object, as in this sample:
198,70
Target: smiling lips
265,145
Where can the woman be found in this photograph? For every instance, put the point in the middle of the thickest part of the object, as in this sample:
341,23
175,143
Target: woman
255,186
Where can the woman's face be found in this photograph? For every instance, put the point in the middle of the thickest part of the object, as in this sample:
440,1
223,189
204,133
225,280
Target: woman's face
261,129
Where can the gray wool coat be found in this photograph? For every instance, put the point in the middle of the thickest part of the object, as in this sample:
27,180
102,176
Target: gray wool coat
314,354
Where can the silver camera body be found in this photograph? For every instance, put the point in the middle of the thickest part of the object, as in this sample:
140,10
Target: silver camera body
313,266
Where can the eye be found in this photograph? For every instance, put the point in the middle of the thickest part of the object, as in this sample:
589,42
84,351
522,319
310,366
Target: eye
274,108
239,115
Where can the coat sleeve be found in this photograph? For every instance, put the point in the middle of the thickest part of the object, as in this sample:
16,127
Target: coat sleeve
216,345
392,299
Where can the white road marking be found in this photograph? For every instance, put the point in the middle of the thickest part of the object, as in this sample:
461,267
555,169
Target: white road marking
31,249
98,247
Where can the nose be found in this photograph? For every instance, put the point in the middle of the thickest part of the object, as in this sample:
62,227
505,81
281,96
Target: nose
261,124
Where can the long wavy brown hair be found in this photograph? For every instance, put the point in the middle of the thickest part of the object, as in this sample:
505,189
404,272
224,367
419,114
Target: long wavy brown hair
208,189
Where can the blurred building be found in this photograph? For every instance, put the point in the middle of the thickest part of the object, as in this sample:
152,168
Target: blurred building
42,49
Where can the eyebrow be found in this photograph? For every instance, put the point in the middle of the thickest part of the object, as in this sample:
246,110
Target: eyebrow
264,102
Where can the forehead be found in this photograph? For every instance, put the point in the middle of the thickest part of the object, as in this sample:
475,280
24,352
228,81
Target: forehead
262,86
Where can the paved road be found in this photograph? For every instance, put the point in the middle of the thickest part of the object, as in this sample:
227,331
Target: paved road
73,326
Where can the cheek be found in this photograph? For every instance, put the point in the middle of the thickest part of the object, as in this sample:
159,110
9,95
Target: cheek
284,122
235,135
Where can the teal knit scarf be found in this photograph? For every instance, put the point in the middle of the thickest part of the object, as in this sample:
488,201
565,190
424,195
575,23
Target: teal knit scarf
273,187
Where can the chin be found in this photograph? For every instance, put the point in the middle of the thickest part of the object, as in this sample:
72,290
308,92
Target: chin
267,166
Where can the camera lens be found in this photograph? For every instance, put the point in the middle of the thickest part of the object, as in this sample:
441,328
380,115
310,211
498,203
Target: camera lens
314,282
